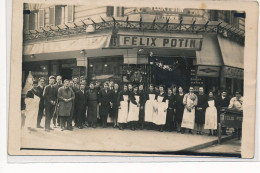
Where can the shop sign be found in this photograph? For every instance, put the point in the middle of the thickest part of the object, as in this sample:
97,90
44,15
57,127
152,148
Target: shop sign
39,73
232,72
208,71
232,120
195,80
162,42
82,61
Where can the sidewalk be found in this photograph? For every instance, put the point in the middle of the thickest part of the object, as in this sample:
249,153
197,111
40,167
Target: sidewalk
113,139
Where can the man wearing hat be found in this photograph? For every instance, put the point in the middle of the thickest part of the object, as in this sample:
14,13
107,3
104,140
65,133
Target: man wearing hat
50,98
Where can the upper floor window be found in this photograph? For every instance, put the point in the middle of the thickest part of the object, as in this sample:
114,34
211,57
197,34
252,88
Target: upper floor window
34,20
61,14
110,11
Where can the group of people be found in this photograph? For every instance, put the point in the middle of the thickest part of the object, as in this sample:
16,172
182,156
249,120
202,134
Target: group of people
130,107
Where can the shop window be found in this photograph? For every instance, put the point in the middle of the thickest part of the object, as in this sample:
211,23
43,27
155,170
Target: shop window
61,14
110,11
33,20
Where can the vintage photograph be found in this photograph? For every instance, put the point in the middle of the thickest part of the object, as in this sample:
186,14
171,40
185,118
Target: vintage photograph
120,79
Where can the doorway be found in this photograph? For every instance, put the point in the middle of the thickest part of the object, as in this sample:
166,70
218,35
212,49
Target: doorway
66,73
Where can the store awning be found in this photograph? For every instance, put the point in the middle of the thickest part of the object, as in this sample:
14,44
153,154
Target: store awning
208,59
88,42
232,53
233,58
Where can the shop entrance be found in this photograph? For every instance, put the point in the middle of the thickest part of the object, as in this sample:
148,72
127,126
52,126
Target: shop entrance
66,73
170,71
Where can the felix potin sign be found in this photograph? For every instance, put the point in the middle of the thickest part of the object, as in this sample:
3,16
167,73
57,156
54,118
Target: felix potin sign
162,42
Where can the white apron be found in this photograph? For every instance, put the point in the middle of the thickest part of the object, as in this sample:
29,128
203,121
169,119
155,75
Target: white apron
31,113
133,114
211,119
188,120
159,117
123,112
150,106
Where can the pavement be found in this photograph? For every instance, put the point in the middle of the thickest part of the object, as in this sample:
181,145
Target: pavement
112,139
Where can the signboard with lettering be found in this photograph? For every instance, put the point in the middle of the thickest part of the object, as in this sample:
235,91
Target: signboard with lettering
195,80
159,41
208,71
231,119
232,72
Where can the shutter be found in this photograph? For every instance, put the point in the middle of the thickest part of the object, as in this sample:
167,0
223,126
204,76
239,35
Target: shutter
41,18
70,13
118,11
123,11
58,15
32,20
110,11
26,22
51,16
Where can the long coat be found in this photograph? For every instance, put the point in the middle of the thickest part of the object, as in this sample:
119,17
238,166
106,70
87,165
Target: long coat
64,108
114,110
105,98
179,108
41,89
200,109
80,106
92,103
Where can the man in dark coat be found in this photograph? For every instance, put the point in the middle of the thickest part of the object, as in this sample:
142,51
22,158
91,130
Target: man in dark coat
105,103
200,110
221,102
41,105
50,99
75,88
58,84
80,105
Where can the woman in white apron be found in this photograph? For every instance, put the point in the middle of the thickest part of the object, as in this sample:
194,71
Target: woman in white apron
159,117
32,102
150,97
190,100
211,118
123,99
134,106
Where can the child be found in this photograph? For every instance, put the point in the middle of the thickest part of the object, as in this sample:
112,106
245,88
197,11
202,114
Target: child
134,107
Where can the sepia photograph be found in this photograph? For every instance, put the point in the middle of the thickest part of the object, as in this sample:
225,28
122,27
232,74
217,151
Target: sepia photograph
132,80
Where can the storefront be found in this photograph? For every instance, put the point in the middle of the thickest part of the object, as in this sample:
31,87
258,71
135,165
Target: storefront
157,57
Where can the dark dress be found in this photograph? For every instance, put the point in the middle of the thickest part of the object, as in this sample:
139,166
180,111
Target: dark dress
170,111
142,104
114,110
80,107
92,103
200,109
105,97
41,105
179,108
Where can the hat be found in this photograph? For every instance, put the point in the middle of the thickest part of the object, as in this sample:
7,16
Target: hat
51,77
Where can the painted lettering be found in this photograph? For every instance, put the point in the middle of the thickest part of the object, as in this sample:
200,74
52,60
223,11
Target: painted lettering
181,40
153,42
173,43
126,39
192,43
141,42
165,41
134,40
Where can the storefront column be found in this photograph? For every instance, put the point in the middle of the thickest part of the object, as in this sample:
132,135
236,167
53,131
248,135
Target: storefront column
222,80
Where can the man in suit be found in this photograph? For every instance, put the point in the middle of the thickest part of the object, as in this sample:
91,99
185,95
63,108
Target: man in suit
222,102
105,103
41,105
50,99
57,86
114,111
80,105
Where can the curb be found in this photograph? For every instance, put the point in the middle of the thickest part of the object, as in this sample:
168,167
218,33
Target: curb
208,144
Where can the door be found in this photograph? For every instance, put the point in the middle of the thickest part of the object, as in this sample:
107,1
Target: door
66,73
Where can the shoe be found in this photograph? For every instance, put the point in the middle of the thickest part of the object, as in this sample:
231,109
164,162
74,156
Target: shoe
50,129
55,126
210,134
62,129
69,128
47,130
190,132
39,127
120,128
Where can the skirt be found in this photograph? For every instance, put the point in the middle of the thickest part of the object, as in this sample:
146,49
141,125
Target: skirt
188,120
200,116
149,111
159,118
123,112
211,118
133,114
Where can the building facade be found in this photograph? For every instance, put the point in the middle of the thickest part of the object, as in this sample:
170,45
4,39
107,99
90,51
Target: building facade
140,45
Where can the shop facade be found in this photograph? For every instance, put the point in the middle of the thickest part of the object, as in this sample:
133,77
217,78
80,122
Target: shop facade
126,54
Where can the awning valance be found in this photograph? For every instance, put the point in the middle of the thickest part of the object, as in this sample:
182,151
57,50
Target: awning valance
208,59
92,41
232,53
